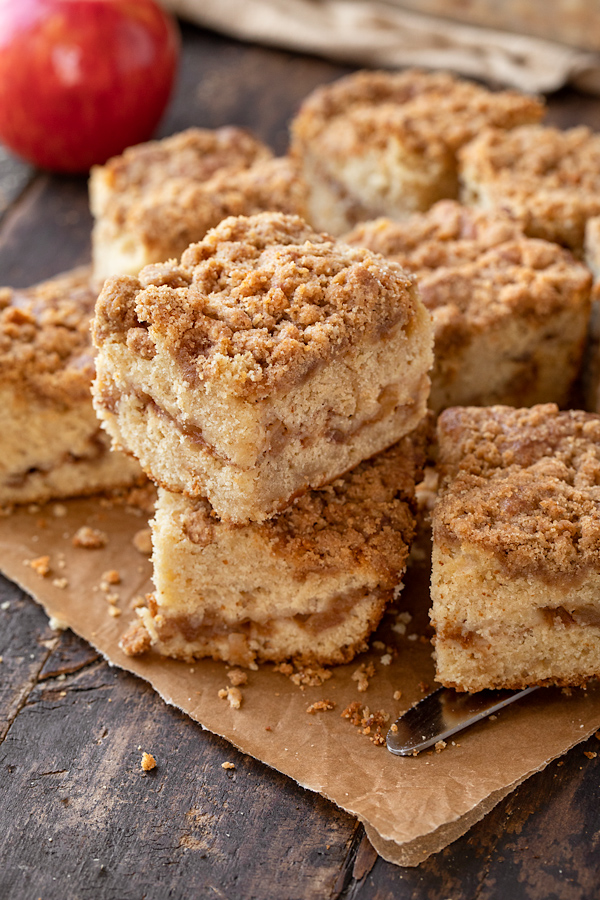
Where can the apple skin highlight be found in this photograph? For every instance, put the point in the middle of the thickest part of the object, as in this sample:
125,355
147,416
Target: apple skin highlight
80,80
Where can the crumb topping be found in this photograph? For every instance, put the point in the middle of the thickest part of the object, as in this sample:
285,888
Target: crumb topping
364,518
179,210
195,154
260,301
539,173
431,113
523,484
474,266
447,234
45,340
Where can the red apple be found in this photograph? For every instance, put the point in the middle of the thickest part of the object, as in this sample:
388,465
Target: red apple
80,80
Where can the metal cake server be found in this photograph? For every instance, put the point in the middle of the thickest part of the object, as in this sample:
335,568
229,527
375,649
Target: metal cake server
443,713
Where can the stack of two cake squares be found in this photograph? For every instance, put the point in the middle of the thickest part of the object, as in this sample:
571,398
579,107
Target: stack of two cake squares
271,383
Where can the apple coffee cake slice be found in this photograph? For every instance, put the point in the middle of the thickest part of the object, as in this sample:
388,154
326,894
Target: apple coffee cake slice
510,313
385,144
52,444
310,584
269,361
516,548
157,198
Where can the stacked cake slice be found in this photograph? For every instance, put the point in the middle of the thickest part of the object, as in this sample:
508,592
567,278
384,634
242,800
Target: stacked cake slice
256,381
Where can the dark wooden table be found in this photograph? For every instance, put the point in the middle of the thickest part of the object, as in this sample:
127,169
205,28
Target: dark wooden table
78,819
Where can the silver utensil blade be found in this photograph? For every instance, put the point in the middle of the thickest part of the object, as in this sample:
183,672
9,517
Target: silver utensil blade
444,713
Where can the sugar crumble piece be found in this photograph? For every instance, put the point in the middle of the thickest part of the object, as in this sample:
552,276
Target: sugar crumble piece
591,754
114,611
137,602
320,706
142,541
386,659
439,746
368,723
112,598
284,668
111,576
60,582
378,645
5,605
233,695
41,565
394,728
148,762
362,675
228,765
136,640
397,695
237,677
90,538
309,676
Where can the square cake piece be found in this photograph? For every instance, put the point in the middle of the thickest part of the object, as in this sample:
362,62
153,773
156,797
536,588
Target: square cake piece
547,178
269,361
384,144
311,584
591,366
157,198
516,548
510,313
51,443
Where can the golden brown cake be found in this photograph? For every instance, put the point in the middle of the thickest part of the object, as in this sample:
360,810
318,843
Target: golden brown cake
157,198
310,584
547,178
510,313
270,360
52,444
385,144
591,367
516,548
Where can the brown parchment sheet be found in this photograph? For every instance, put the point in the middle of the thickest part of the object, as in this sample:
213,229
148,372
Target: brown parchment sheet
411,807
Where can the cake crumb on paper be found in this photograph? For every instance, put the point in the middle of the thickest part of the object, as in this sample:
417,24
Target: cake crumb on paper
362,675
439,746
591,754
148,762
233,695
112,576
142,541
367,722
237,677
228,765
320,706
90,538
40,565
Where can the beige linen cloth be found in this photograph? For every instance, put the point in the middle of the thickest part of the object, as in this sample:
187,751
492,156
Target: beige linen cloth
388,33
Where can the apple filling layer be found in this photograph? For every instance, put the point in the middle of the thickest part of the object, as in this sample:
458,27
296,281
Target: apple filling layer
334,635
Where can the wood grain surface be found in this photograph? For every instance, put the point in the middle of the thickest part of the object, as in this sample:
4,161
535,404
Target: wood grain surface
79,817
